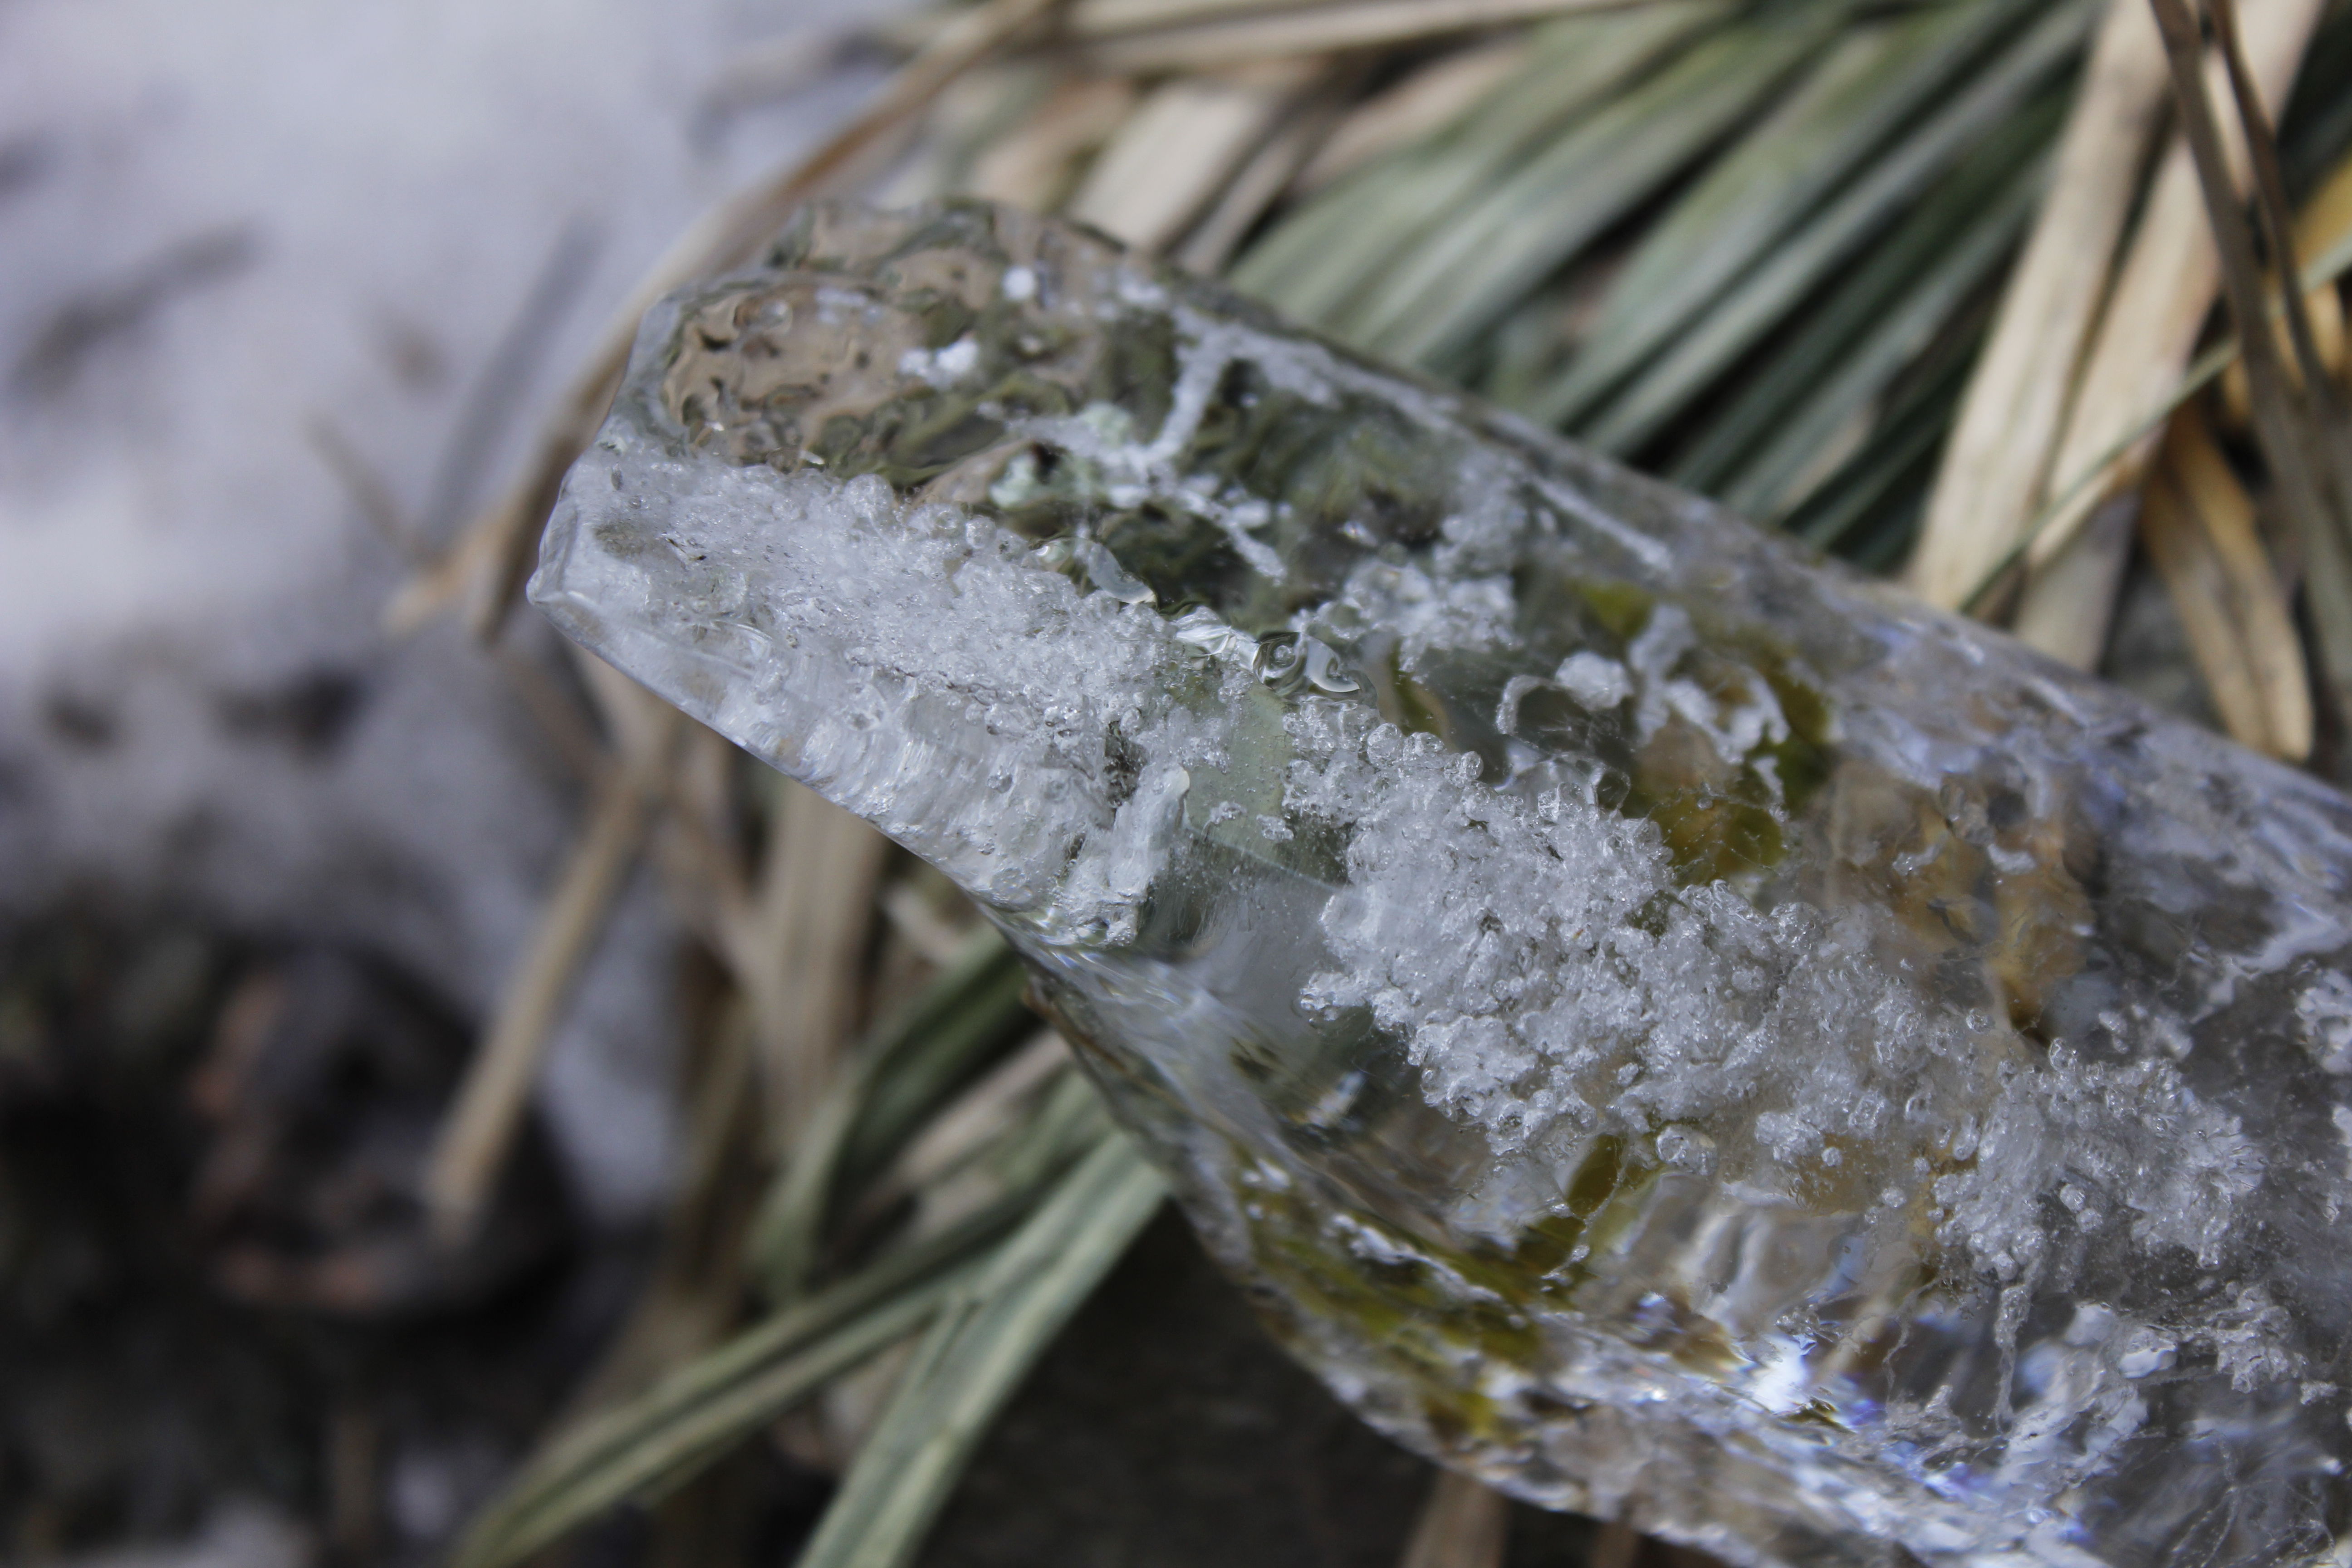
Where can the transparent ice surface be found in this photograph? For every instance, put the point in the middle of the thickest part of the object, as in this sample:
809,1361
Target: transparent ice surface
1672,1027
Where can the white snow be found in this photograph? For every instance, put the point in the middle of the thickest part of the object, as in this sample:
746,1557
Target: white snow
285,217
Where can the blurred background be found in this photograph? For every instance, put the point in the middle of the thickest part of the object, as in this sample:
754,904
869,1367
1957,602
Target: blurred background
449,1115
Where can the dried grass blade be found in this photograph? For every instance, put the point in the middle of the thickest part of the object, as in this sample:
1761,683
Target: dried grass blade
2320,397
1464,1523
1766,184
1742,317
2209,368
2145,338
977,1355
1171,158
489,1110
2304,433
1035,165
1999,452
2068,604
2160,301
1259,183
2198,523
2325,308
807,933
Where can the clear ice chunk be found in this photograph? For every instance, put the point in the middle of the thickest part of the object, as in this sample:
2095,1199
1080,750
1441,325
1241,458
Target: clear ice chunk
1673,1028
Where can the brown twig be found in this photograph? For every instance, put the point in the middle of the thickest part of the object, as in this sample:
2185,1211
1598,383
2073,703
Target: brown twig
2295,449
2198,523
2147,334
2276,403
2278,222
490,1104
1615,1547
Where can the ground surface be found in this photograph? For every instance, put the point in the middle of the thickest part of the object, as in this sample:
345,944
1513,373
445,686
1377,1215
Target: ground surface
1165,1430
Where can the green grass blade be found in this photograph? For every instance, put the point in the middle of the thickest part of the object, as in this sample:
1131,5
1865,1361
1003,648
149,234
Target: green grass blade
1770,486
971,1364
1464,277
1875,78
1315,261
1869,509
706,1407
1807,259
1875,323
892,1079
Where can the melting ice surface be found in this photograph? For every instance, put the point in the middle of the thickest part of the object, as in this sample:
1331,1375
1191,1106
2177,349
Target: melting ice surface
1666,1025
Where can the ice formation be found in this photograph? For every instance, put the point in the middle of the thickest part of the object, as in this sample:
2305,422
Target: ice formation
1669,1026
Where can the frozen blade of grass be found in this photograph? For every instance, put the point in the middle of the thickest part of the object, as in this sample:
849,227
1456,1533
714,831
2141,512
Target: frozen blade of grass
1465,275
976,1356
2199,525
1736,322
1877,321
873,1103
1766,184
484,571
1316,261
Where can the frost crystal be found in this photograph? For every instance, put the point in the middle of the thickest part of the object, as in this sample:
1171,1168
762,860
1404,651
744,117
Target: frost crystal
1676,1029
